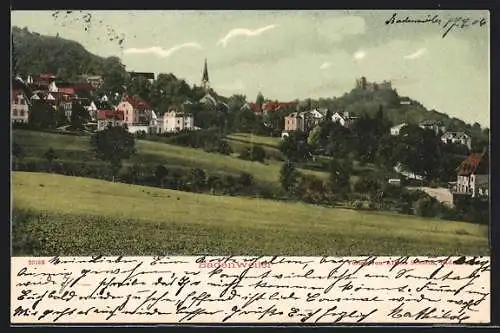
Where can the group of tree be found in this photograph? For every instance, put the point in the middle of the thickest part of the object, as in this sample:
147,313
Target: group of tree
43,115
368,140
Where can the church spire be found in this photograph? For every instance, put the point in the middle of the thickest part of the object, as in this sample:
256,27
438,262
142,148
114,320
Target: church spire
204,80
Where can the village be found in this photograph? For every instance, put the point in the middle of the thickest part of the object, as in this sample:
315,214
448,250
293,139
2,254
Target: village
138,117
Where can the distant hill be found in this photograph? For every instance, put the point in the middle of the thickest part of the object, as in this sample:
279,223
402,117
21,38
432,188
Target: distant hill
35,54
398,109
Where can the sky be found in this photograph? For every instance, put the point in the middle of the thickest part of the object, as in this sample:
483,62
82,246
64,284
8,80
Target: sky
296,54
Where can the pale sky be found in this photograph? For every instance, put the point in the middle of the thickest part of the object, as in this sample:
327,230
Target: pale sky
295,54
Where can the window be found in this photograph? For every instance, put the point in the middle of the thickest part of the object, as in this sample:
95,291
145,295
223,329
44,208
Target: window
15,112
22,113
23,102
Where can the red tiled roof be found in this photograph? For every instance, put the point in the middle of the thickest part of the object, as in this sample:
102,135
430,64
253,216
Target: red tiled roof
273,106
137,102
67,91
470,164
110,114
44,77
82,86
255,107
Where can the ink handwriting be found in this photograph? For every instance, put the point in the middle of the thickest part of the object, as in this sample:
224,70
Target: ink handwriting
288,290
446,24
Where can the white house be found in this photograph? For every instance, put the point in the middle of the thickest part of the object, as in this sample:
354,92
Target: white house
19,107
174,121
457,138
92,110
395,130
343,119
473,176
436,126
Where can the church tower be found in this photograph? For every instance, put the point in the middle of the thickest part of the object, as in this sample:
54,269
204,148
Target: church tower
205,82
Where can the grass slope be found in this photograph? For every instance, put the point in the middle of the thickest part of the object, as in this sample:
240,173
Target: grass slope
77,148
80,216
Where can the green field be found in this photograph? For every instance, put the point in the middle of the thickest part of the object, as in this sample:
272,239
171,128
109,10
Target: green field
255,139
63,215
77,148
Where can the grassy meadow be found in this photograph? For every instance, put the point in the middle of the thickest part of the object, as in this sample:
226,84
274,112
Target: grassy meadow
54,214
77,148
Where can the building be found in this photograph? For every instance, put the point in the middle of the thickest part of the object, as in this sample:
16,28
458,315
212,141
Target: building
174,121
473,176
205,81
106,118
345,119
405,101
19,107
44,79
277,106
300,122
95,81
395,130
293,122
457,138
436,126
363,84
256,108
146,75
136,111
213,102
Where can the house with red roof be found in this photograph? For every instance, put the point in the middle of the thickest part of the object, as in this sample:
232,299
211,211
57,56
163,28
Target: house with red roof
277,106
106,118
19,107
137,112
473,176
256,108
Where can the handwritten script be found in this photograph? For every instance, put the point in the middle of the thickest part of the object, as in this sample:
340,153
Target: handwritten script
449,290
447,24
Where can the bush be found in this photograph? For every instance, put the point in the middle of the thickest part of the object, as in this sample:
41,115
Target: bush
357,204
254,153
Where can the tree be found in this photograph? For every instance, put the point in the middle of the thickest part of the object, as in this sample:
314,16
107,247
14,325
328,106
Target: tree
41,115
289,177
245,179
17,153
367,185
79,116
160,174
214,183
198,179
419,151
339,175
236,102
50,155
60,118
314,137
295,147
113,145
114,75
260,99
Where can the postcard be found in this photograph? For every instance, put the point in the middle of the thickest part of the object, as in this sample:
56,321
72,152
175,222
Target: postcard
254,167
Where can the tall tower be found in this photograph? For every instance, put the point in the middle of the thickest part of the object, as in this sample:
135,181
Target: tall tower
205,82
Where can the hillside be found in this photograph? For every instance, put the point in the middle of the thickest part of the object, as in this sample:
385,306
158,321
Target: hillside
77,149
397,109
79,216
35,54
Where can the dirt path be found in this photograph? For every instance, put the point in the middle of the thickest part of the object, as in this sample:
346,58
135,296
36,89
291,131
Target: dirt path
440,193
